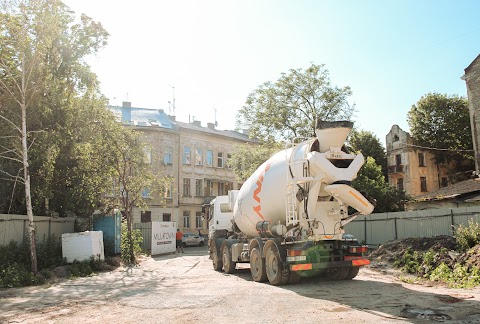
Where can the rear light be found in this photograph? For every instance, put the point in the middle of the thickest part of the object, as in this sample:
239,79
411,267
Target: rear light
295,252
358,249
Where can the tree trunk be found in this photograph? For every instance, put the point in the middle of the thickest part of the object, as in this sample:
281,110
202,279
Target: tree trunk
28,198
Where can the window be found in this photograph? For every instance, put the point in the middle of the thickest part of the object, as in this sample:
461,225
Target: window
398,159
198,187
229,158
146,216
444,182
168,156
198,156
148,155
186,155
423,184
221,189
396,138
186,187
220,160
186,219
198,219
167,190
146,193
167,217
208,188
400,184
209,158
421,159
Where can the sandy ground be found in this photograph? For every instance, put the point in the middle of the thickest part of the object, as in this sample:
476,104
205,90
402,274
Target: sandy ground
185,289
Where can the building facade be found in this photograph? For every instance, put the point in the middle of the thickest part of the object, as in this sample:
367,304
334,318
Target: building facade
194,157
411,168
472,80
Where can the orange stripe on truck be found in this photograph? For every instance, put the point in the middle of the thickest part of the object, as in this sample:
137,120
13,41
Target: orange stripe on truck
358,198
361,262
300,267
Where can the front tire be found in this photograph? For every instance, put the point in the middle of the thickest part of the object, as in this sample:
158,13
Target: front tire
216,260
228,264
257,266
277,273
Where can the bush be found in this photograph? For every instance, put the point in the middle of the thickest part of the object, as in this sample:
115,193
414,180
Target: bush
16,275
125,244
467,236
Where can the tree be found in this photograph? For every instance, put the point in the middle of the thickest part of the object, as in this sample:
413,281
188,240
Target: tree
442,123
42,79
371,182
67,160
247,157
369,145
133,176
291,106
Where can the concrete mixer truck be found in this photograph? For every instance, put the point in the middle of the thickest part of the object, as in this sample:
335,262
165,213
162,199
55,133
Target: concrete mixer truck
287,220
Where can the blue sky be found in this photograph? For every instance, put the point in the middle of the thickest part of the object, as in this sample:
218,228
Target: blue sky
214,53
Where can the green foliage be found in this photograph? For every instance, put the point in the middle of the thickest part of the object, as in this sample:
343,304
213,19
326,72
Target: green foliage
467,236
15,275
369,145
428,265
246,158
125,245
49,252
459,277
371,182
15,262
85,268
291,106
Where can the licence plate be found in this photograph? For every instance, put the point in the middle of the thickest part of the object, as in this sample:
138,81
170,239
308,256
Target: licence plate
297,258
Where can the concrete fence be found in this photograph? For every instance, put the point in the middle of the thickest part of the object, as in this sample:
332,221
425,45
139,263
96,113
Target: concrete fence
376,229
14,227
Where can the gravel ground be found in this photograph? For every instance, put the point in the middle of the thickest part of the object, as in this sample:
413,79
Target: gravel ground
184,289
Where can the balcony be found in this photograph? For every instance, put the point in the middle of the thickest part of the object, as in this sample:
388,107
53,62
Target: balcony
395,169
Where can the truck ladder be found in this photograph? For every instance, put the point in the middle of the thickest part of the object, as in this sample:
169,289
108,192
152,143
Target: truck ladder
291,204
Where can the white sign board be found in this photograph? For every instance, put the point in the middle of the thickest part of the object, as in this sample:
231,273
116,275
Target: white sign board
163,237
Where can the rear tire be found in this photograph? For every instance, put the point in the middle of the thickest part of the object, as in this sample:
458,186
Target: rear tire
257,266
277,273
294,278
338,273
216,259
353,272
201,244
228,264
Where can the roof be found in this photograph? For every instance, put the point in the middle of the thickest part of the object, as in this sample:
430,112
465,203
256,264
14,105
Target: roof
468,190
142,117
227,133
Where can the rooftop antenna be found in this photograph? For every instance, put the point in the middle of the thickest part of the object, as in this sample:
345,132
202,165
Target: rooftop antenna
173,102
215,110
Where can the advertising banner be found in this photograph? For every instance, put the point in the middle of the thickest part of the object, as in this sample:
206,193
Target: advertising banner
163,237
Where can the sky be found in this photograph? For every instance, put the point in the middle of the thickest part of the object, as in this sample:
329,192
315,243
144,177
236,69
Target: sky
210,55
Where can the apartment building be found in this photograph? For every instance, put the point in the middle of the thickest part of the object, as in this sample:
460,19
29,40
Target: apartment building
411,168
195,158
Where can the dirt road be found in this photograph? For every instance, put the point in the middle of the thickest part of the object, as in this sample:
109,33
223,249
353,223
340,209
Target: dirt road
185,289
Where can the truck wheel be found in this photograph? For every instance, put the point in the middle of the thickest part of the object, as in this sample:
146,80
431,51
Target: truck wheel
338,273
277,273
353,272
228,264
294,278
257,266
217,261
